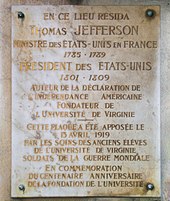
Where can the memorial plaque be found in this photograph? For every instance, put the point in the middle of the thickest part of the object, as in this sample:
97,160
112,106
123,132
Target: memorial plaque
85,101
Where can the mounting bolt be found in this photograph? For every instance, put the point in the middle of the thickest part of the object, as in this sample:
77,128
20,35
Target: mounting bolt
150,186
21,15
150,13
21,187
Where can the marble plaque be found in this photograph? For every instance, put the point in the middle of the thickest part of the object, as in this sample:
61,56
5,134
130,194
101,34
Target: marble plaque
85,101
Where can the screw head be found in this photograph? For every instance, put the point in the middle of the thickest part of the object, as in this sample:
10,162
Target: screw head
150,13
150,186
21,187
21,15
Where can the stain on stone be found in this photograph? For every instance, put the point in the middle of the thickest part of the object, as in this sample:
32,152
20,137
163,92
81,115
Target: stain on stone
75,2
54,134
33,116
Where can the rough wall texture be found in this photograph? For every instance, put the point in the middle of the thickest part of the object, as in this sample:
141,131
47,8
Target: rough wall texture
5,93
